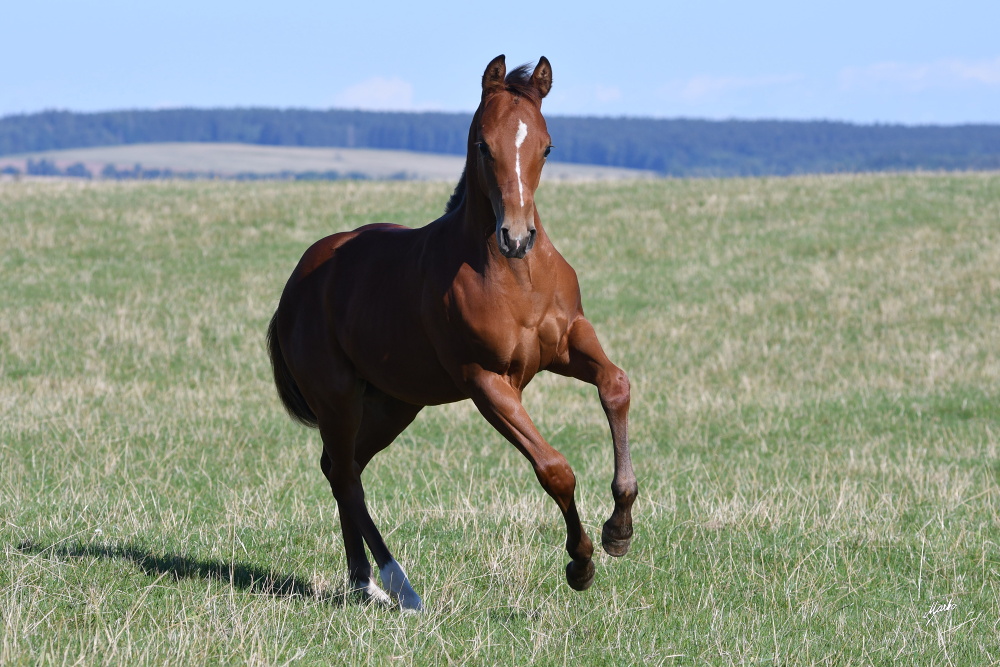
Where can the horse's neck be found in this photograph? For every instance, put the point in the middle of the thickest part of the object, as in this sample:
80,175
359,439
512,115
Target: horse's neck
474,214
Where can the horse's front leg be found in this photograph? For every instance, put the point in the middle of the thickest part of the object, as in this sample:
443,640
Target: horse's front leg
586,361
500,403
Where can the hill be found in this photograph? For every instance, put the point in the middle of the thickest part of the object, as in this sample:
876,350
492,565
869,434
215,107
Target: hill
246,161
673,147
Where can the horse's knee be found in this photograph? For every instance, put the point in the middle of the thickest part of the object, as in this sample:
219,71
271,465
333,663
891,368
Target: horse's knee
616,391
557,478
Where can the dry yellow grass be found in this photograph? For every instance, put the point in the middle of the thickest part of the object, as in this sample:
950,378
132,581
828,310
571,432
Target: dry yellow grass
232,159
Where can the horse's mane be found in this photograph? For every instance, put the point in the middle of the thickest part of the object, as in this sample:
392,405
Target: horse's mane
518,82
458,196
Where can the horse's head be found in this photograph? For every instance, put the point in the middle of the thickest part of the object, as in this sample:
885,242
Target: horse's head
508,145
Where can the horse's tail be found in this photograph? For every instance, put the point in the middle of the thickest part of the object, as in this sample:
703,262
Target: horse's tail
288,391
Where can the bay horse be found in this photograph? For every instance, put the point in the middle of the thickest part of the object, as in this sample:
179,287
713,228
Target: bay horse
376,323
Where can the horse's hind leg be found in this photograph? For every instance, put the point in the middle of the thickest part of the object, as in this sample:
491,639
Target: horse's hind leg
349,442
358,568
383,419
588,362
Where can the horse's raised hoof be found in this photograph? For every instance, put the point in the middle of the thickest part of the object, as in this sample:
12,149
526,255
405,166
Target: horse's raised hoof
615,541
580,577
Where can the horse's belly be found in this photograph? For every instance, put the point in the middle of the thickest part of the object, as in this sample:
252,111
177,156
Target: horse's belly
420,381
392,353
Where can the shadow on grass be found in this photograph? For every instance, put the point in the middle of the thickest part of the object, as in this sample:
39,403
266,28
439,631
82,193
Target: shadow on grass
177,566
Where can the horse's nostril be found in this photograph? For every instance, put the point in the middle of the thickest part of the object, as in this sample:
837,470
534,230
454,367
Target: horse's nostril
515,245
504,237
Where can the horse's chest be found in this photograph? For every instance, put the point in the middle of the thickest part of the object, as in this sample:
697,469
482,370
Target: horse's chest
514,338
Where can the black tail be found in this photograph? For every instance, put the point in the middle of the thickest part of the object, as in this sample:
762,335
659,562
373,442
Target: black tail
288,391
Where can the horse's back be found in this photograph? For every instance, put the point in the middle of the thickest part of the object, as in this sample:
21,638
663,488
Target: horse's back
320,253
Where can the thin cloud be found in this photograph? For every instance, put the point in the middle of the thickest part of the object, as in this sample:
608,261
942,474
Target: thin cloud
378,94
588,98
704,87
607,93
918,77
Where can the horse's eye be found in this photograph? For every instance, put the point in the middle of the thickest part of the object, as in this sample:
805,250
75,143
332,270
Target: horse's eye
548,150
484,150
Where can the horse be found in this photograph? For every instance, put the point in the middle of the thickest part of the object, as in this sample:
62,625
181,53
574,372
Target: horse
376,323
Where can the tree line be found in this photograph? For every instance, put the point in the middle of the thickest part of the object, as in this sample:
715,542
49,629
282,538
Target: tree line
672,147
46,167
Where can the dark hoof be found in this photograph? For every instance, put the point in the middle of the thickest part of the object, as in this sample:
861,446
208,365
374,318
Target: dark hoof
580,577
616,543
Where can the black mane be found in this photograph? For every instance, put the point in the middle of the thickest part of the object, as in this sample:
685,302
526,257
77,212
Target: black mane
518,81
458,196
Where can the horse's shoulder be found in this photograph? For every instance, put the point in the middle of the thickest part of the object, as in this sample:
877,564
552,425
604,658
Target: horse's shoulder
563,275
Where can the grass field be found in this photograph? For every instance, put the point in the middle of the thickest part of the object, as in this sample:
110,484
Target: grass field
815,366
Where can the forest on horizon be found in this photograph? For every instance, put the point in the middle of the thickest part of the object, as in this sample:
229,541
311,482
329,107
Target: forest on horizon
671,147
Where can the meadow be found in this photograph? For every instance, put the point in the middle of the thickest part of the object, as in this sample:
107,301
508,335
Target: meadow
815,424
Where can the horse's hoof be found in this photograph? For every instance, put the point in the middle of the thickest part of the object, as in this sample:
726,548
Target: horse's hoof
394,578
580,577
410,603
366,591
615,542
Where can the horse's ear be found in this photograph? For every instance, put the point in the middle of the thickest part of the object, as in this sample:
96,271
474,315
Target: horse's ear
542,76
494,75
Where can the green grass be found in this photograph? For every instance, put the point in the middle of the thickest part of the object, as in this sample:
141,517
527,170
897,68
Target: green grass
815,423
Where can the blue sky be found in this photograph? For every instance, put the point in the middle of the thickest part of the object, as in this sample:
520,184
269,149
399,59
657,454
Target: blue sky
897,62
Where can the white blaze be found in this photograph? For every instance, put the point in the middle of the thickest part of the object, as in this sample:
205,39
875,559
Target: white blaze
522,133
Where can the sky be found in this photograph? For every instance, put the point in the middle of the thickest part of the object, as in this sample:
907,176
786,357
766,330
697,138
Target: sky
911,62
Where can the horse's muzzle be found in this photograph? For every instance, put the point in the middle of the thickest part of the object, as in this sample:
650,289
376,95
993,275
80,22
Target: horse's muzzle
515,246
